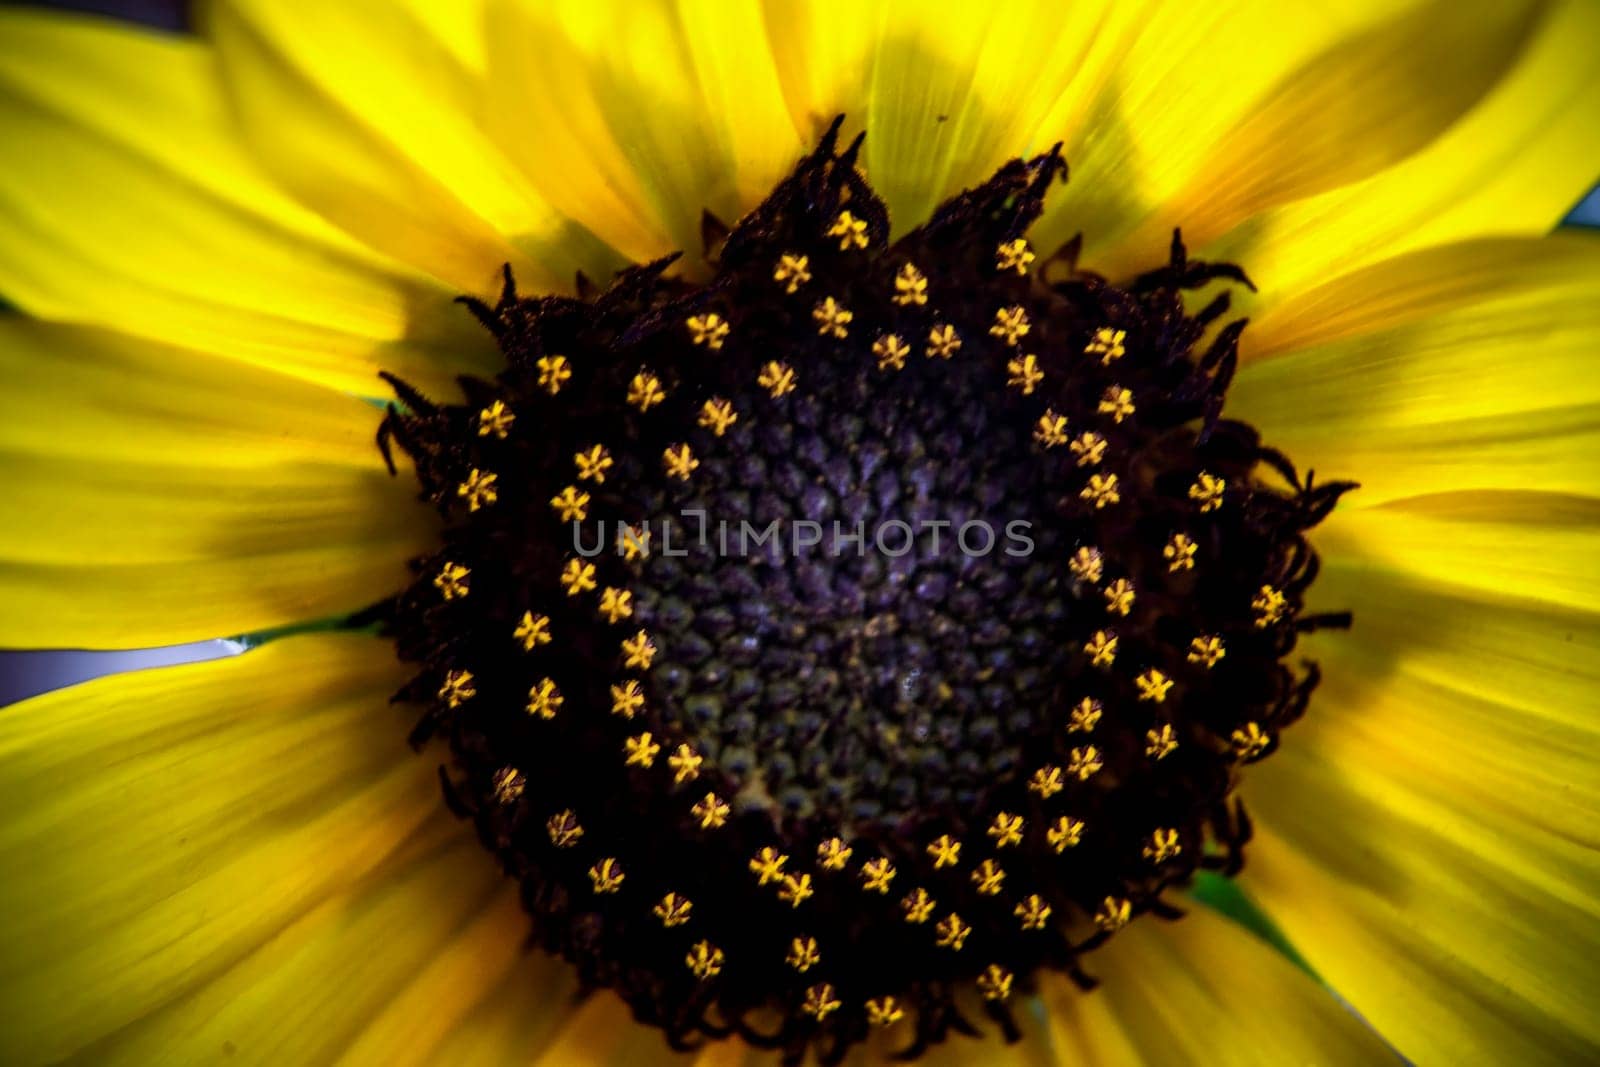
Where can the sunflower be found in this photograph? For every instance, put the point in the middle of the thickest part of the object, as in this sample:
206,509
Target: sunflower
343,325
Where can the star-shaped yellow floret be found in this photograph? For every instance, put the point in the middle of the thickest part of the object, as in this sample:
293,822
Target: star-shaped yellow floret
1113,914
891,352
577,577
951,932
638,651
457,688
545,699
796,889
1013,255
1208,491
532,631
627,699
918,906
833,854
1269,606
1102,490
1084,762
1179,553
495,420
945,850
1163,845
717,415
593,462
793,271
910,287
1051,429
634,543
851,231
711,811
1033,912
571,504
1006,830
1024,374
709,330
606,876
876,875
1153,686
776,378
833,320
553,373
451,581
943,341
616,604
1159,743
1010,324
508,784
1085,716
679,461
803,954
1116,402
768,865
884,1011
1206,650
1107,344
989,878
1064,833
995,982
705,960
1119,596
1087,564
685,763
641,750
820,1002
1250,740
1089,448
645,392
673,909
479,489
1046,781
564,829
1101,648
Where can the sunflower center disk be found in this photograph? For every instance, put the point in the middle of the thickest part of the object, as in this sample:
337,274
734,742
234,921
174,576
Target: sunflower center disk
862,631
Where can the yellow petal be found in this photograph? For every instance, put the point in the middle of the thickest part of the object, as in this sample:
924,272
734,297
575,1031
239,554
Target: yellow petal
1141,123
1029,1012
600,1030
1492,394
1499,982
413,75
1491,693
153,496
126,201
386,140
518,1021
458,28
1514,545
1414,287
729,1054
1366,102
1460,936
312,992
946,91
1514,165
634,118
1201,990
1428,833
449,1008
165,825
